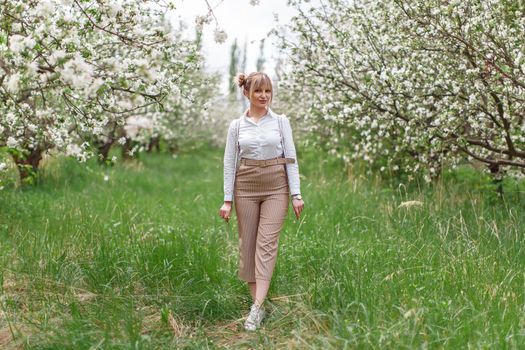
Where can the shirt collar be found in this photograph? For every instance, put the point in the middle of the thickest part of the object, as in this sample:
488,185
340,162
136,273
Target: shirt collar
268,113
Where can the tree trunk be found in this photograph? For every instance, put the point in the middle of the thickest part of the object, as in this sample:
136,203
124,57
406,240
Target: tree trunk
103,151
126,148
496,178
28,166
174,148
154,143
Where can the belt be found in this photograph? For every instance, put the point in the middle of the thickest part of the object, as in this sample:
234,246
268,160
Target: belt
266,162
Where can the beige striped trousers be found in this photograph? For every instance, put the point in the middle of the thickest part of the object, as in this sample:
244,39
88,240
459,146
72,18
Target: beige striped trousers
261,199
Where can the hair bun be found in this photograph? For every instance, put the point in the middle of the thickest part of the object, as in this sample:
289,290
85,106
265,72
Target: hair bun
240,79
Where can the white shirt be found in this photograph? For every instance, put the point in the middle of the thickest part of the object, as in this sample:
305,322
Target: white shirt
259,140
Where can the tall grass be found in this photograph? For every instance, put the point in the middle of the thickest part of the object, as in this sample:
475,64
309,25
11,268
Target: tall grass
143,260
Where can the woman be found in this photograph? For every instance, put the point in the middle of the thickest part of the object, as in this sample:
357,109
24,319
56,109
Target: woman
260,174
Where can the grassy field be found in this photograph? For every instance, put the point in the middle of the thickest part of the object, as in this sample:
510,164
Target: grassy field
136,257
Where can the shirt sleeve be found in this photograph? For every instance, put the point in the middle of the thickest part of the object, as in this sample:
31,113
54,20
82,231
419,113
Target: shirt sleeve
229,162
291,169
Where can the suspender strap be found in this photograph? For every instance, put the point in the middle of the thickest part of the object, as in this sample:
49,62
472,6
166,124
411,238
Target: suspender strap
279,118
237,149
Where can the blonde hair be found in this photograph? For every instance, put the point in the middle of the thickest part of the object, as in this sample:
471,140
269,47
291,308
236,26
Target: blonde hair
256,80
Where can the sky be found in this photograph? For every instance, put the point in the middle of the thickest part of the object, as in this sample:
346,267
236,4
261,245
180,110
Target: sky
240,20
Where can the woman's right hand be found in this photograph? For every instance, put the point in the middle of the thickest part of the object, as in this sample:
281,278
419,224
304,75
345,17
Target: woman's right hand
225,211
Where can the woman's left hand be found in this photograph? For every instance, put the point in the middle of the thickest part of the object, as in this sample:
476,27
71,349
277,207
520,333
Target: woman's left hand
298,206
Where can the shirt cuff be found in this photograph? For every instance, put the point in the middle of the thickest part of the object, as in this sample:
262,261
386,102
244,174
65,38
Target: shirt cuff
228,198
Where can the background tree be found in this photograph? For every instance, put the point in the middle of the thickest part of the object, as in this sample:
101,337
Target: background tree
234,67
261,59
72,72
412,86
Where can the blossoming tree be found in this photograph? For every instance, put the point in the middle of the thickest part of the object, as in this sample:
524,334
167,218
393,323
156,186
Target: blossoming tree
73,71
412,85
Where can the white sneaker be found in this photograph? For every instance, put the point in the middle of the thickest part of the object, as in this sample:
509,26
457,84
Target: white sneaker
253,321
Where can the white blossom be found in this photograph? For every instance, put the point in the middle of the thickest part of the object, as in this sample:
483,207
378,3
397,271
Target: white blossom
13,83
135,124
11,142
16,43
219,35
200,21
32,68
45,8
115,8
73,150
77,72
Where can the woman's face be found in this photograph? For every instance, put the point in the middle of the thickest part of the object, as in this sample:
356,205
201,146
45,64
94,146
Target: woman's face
261,96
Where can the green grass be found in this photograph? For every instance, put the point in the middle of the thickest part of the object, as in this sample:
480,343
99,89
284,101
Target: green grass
143,261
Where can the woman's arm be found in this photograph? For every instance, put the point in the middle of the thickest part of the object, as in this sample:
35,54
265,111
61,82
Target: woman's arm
289,148
229,162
